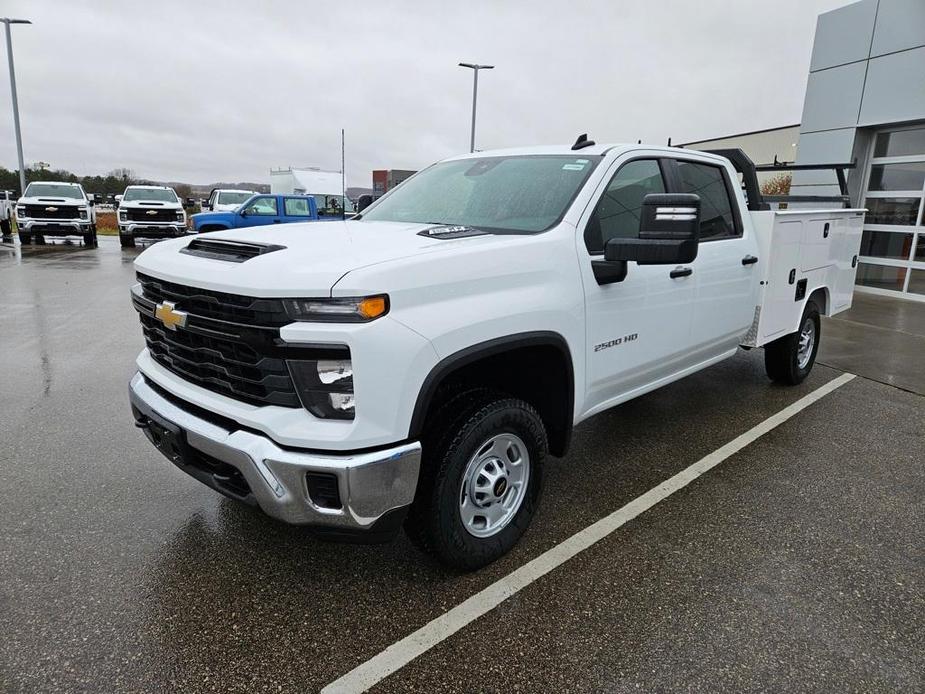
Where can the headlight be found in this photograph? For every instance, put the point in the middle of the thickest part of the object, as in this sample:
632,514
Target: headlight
84,213
123,216
180,216
20,211
325,386
346,310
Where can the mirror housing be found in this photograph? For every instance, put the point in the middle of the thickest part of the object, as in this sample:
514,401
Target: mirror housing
363,202
669,232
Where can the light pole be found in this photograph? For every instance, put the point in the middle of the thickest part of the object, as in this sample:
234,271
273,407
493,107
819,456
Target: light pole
9,55
475,94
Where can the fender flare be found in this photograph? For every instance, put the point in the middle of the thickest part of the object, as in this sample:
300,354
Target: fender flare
481,350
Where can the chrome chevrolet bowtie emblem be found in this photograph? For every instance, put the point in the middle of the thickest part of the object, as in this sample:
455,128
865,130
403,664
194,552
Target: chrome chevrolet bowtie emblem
51,209
167,314
151,212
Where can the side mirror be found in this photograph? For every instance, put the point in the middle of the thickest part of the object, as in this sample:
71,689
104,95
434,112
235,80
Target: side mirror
364,201
669,232
243,212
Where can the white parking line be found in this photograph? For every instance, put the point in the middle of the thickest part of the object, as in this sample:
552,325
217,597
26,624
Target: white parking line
403,652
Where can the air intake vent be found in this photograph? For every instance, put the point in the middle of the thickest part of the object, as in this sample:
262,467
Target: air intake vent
232,251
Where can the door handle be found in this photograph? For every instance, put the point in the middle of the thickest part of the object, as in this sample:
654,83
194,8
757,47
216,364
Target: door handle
749,260
277,221
680,272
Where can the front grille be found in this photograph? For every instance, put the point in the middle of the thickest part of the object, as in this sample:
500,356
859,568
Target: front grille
234,308
226,366
151,215
52,211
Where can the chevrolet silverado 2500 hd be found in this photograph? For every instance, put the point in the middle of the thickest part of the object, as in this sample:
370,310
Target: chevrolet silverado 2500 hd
153,212
227,199
50,208
417,364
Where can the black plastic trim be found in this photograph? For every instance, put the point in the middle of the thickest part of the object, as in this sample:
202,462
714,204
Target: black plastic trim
489,348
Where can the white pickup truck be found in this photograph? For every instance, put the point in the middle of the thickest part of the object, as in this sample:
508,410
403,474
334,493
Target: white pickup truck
147,211
415,365
52,208
6,215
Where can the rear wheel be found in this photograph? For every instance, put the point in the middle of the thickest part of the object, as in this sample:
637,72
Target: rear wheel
126,240
789,359
480,480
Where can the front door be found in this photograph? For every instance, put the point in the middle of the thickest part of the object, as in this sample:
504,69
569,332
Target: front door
261,210
638,330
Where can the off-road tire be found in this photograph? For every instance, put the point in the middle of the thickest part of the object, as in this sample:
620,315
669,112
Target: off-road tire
781,357
25,238
453,436
126,240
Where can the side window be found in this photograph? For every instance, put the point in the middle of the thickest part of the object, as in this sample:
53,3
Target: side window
717,220
617,212
296,207
262,206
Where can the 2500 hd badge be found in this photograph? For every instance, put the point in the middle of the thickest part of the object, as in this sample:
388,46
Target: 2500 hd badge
617,341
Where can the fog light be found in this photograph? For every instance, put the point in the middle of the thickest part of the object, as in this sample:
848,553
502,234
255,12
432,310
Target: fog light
342,402
330,371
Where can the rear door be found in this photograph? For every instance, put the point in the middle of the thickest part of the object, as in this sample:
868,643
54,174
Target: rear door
297,209
724,271
638,330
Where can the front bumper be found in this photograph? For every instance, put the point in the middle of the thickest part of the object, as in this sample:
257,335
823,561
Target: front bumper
372,486
154,230
54,227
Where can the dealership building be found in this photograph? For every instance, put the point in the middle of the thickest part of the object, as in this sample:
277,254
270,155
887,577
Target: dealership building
865,102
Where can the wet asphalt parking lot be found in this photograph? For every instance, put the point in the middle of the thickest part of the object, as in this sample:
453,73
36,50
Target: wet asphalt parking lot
796,564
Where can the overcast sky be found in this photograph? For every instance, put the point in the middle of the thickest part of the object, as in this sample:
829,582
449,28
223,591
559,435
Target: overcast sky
208,91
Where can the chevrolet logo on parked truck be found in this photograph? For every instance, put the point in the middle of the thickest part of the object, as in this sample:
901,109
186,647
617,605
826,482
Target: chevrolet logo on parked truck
167,314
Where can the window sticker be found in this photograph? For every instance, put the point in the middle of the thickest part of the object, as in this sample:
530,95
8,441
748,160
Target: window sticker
573,167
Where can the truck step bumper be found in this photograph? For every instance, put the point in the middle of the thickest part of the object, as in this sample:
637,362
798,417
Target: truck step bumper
342,494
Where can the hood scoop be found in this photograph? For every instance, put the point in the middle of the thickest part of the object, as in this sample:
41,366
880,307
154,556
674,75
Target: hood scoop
451,232
52,200
227,250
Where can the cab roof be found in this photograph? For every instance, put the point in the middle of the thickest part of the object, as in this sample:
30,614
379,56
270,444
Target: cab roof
596,150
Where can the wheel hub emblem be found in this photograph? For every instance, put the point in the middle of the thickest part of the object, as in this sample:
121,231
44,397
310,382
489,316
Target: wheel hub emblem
500,487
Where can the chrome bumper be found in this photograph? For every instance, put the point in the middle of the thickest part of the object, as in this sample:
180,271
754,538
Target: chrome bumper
370,485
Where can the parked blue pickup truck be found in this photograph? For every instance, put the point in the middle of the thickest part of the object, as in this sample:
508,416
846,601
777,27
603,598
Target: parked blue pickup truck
263,209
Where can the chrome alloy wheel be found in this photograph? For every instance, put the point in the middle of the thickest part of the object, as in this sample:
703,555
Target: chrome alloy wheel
807,342
494,484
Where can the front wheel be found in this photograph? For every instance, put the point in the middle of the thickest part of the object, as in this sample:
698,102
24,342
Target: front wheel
25,238
789,359
480,481
126,240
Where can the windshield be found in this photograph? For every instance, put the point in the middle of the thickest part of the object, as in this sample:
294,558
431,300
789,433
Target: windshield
53,190
150,194
518,194
225,198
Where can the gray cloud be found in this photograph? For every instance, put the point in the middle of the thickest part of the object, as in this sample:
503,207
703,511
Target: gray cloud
210,91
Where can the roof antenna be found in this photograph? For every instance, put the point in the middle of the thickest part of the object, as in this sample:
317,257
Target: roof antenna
639,141
669,142
583,142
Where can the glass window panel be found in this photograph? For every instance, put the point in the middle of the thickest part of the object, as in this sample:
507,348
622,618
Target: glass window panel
897,176
917,282
901,143
881,276
618,211
901,211
920,249
716,217
886,244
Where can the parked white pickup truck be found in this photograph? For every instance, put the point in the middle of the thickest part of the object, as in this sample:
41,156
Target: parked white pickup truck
6,215
52,208
227,199
417,363
153,212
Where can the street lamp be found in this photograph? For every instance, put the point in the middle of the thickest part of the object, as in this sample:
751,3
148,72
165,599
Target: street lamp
9,55
475,93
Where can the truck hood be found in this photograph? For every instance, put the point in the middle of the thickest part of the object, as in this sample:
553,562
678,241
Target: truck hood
150,204
226,217
313,258
49,200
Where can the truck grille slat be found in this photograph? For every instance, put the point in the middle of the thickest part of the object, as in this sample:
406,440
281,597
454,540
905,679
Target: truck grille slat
227,345
233,308
52,212
151,215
